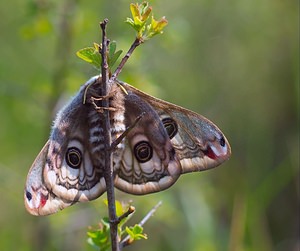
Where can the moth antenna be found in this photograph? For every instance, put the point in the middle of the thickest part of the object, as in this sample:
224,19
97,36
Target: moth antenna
122,88
86,89
85,93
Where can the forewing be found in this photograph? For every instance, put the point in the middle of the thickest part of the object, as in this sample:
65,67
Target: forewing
37,197
74,164
70,167
199,144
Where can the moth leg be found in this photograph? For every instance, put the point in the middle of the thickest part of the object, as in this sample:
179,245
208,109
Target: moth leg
108,96
101,109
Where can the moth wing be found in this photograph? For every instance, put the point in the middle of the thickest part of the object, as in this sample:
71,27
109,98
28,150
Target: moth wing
74,169
37,197
149,163
69,167
199,144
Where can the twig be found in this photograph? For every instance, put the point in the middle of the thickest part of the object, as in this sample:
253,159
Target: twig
135,44
130,210
125,133
126,241
108,171
150,213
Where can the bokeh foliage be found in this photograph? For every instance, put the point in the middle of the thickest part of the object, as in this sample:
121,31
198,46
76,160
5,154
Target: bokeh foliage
235,61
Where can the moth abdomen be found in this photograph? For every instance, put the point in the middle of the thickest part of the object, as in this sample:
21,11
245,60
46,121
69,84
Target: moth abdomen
96,137
117,115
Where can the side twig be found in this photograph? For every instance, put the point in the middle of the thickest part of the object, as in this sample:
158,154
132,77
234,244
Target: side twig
135,44
125,133
130,210
126,241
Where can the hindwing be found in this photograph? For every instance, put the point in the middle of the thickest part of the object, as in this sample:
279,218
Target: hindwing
173,140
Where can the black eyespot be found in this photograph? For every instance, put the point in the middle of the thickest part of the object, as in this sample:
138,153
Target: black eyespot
28,195
143,151
74,157
222,141
171,127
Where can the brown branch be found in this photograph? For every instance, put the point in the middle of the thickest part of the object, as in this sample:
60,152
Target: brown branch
109,145
108,169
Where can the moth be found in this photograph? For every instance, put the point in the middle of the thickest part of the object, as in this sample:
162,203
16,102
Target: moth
166,142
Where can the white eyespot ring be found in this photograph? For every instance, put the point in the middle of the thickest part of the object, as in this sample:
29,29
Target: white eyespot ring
73,157
143,151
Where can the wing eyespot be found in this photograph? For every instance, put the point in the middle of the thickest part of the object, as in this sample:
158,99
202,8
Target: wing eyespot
170,126
222,141
143,151
74,157
28,196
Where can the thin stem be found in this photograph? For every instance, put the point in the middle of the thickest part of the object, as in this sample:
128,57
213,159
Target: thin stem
150,213
126,241
130,210
135,44
118,140
108,171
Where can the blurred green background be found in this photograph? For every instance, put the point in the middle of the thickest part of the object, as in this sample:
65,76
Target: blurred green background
235,62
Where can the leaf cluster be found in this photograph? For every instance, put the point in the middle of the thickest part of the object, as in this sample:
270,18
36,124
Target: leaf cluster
145,25
92,55
99,237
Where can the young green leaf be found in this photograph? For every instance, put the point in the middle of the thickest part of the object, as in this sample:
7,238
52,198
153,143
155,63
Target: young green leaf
120,210
155,27
140,17
135,232
140,14
90,55
112,48
113,55
100,238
